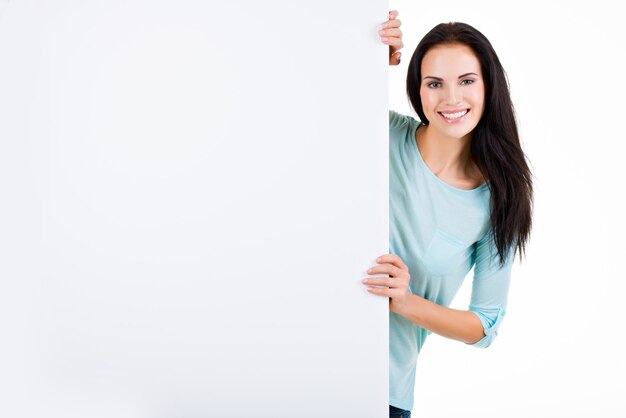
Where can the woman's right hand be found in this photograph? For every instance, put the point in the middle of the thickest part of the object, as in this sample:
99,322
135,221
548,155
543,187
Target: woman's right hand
390,34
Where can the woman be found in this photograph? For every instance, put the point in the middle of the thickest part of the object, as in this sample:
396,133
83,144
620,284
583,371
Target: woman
460,197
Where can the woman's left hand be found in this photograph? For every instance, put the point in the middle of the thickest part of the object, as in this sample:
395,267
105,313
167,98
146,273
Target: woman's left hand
390,34
396,286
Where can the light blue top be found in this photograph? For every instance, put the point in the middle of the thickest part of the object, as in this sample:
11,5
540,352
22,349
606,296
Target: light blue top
440,232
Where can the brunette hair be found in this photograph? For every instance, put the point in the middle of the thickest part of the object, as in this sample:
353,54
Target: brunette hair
495,146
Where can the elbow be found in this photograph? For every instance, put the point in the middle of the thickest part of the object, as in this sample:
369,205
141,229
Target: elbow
485,341
490,320
476,340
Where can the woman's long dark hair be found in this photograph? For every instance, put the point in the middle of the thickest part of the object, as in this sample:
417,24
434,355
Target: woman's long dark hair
495,146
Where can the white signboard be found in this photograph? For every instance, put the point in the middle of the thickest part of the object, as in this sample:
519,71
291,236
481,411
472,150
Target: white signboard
190,194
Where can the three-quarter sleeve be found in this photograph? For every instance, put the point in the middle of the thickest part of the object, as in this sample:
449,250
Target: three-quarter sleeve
490,288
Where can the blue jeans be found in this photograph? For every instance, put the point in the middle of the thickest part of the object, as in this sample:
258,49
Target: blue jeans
398,413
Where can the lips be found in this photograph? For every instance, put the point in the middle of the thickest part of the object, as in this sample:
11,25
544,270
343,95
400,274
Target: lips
454,115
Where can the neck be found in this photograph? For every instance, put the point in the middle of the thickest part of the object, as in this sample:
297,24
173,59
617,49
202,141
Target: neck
445,154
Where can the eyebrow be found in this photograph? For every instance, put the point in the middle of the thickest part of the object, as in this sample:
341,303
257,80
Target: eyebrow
441,79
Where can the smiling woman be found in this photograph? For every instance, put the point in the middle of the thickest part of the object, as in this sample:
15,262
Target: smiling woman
460,198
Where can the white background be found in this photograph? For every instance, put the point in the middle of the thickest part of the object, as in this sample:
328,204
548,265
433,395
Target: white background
560,350
190,193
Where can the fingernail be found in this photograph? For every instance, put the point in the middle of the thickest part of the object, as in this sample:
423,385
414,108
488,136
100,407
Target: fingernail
364,281
381,32
369,271
384,39
384,25
378,260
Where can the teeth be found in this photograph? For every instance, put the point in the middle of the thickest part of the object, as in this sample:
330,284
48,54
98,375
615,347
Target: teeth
454,115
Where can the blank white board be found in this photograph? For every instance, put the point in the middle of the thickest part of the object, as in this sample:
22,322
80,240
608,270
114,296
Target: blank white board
190,194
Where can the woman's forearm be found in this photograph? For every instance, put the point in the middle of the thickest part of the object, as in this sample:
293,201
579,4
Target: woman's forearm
451,323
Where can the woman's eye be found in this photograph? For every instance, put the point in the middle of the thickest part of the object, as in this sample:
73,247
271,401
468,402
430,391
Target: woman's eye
466,82
434,84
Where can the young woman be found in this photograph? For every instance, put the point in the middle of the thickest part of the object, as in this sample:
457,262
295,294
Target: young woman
460,197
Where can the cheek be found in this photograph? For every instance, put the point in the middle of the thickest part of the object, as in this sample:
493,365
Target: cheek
428,101
477,99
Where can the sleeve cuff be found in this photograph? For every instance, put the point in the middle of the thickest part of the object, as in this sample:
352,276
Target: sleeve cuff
491,319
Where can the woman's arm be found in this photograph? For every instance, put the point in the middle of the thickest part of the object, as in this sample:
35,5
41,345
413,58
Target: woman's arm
459,325
477,326
451,323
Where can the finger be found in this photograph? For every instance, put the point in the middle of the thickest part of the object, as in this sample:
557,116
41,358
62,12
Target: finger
389,269
392,259
378,281
391,24
391,33
393,14
379,291
396,43
386,282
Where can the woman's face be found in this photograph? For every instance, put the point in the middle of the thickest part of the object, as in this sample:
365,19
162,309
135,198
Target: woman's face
452,90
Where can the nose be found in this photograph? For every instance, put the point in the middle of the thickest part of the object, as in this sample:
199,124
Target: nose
453,95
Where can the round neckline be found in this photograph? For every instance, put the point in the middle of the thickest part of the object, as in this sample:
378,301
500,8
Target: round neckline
429,171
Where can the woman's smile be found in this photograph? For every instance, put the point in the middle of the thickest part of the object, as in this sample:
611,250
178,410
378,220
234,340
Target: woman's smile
453,116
